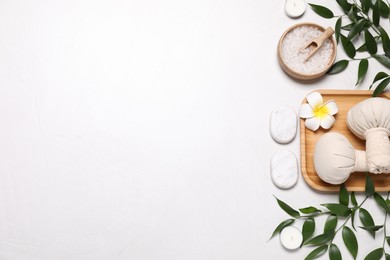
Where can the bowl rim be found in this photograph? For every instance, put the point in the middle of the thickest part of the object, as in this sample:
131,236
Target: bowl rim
300,75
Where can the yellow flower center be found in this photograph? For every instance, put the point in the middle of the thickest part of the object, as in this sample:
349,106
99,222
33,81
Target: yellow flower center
320,111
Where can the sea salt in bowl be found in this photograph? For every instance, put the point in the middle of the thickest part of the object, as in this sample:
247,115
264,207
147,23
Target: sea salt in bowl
292,55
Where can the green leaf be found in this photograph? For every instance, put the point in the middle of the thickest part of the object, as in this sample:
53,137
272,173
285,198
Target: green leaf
317,252
383,59
375,254
370,188
388,241
343,195
338,67
330,223
362,71
309,210
367,220
365,5
376,13
381,86
282,225
372,228
353,199
347,27
320,239
350,241
385,41
387,256
370,42
352,15
308,229
381,201
362,48
337,29
353,218
345,5
292,212
322,11
348,46
338,209
334,252
383,9
356,28
379,76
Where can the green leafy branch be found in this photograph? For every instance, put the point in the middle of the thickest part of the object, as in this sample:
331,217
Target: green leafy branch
362,19
345,211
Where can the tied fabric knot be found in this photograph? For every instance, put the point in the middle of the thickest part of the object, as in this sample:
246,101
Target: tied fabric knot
360,161
378,150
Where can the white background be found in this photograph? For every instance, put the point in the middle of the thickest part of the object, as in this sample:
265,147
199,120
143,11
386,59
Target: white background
139,129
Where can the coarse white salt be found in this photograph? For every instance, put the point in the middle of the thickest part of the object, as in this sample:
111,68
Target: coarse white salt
294,54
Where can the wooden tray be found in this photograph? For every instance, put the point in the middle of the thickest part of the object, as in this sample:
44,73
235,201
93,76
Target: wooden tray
345,99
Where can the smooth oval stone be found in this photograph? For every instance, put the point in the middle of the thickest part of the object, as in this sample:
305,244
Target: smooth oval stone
283,124
284,169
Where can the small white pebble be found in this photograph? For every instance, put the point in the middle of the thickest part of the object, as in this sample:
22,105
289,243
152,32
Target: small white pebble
284,169
283,124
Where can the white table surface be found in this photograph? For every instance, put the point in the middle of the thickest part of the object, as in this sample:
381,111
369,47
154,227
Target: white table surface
139,129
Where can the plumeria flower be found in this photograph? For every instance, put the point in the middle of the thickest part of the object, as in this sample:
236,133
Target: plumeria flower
317,113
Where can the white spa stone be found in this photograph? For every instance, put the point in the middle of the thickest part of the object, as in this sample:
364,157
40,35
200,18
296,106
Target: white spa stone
291,238
284,169
283,124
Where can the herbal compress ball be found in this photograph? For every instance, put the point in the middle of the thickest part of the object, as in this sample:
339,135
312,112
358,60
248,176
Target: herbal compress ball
370,120
335,158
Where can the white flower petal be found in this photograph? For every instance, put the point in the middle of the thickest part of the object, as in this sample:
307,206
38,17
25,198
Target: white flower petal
313,123
331,107
306,111
327,121
314,99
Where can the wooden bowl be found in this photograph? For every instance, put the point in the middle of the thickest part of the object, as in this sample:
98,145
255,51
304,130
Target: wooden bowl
299,75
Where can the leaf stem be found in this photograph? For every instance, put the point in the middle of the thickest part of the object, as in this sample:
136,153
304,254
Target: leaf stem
322,213
384,225
361,204
349,217
364,58
372,25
